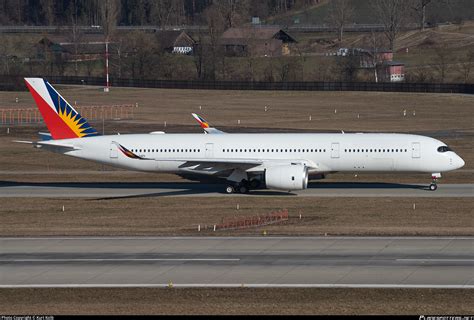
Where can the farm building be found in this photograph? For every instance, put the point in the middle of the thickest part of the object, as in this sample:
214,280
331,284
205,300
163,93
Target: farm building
86,48
179,42
371,58
257,41
391,71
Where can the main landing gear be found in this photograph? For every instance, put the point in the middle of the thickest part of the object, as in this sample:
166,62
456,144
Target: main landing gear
434,186
243,187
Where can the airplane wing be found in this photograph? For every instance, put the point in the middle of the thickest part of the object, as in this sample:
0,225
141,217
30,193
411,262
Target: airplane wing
218,165
205,125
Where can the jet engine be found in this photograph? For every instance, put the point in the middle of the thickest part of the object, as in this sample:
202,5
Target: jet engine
291,177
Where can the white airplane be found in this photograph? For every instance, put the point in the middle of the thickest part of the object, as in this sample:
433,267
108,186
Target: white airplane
248,161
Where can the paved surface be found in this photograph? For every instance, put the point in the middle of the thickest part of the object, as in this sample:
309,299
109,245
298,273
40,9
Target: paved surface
227,262
112,190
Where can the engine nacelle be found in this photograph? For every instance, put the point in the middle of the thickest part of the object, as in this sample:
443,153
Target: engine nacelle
291,177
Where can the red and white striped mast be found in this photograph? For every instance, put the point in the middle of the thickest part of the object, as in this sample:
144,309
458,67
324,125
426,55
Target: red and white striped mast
107,84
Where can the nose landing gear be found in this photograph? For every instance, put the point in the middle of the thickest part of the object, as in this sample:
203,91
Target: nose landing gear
433,186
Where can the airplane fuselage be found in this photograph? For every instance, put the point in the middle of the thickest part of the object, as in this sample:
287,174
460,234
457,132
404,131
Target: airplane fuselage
322,152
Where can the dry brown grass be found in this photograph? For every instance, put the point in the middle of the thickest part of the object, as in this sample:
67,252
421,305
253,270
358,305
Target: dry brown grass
236,301
165,216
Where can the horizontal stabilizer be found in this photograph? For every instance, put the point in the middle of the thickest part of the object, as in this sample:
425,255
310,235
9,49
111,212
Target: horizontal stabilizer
50,144
45,136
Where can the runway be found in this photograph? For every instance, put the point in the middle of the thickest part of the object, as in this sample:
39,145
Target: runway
121,190
437,262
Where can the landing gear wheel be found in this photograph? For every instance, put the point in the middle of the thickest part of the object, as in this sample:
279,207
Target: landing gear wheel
243,189
229,190
433,187
255,184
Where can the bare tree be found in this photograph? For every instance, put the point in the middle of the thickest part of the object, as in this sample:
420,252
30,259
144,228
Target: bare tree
166,12
420,9
441,63
212,49
5,49
233,12
465,66
47,10
109,10
346,68
392,14
75,35
340,13
198,54
143,58
375,45
420,75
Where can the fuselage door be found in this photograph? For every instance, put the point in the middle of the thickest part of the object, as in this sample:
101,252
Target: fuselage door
209,150
335,150
113,151
416,150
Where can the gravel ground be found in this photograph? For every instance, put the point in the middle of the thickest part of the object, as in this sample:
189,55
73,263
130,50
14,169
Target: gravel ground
236,301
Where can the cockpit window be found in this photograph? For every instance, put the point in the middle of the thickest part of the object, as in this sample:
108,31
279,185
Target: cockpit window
444,149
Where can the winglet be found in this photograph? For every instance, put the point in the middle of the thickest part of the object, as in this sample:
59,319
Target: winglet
205,125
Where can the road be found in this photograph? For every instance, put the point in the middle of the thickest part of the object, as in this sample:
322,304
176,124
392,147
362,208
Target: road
437,262
118,190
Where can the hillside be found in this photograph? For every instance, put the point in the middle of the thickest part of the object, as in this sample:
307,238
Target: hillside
438,11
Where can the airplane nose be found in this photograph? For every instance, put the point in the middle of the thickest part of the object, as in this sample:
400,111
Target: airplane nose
459,162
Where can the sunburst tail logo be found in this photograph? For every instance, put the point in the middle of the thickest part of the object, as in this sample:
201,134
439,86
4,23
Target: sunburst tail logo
62,120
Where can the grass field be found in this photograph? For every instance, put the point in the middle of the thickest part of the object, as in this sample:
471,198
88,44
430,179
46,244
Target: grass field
444,116
167,216
236,301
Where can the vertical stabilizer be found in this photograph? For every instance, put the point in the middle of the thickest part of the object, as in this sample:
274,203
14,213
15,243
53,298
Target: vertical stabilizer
62,120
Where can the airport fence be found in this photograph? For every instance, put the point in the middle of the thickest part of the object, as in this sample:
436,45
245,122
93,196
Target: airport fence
20,116
17,83
251,222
